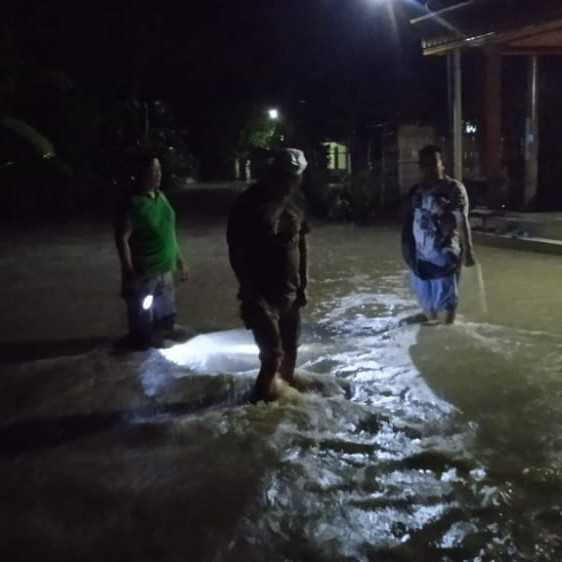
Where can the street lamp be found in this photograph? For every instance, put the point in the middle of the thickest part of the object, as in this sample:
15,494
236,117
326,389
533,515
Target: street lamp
273,114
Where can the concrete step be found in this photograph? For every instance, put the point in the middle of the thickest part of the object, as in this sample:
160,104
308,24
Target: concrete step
525,243
529,225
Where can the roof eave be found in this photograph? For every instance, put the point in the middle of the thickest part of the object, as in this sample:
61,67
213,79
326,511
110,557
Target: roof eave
494,39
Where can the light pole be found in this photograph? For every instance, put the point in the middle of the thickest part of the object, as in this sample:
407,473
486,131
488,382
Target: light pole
454,81
455,92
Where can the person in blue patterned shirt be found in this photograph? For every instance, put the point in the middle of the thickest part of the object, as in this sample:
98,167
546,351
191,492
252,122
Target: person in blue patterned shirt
436,237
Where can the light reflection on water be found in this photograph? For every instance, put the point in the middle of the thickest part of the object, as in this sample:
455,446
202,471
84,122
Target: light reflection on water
221,352
447,434
429,455
414,443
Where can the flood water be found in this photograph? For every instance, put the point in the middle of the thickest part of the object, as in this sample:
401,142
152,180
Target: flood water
412,443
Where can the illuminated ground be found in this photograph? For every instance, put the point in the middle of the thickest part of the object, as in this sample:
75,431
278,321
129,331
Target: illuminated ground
431,444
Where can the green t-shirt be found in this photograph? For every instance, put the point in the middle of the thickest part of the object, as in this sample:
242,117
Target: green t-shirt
153,242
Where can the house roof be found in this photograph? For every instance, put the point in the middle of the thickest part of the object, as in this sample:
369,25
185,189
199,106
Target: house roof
519,27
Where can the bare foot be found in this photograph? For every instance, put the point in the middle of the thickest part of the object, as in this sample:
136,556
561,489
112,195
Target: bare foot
262,395
297,382
278,389
419,318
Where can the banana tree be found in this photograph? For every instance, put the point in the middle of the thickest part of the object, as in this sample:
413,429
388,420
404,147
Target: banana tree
17,137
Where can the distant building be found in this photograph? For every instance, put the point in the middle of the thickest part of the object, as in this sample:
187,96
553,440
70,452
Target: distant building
516,146
338,156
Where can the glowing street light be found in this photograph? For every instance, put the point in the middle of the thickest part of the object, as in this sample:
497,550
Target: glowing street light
273,114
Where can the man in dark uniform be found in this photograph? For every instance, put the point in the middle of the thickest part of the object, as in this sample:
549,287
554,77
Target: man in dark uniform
268,252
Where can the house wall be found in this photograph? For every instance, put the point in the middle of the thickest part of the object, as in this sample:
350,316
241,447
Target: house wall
410,138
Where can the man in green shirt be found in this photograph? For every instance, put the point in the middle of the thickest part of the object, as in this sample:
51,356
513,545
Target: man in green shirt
266,237
145,235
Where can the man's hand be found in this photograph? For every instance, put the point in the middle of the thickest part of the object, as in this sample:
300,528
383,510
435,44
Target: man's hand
183,272
302,298
130,283
469,259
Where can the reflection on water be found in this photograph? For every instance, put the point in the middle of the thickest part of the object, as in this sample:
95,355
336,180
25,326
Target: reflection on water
222,352
413,443
438,452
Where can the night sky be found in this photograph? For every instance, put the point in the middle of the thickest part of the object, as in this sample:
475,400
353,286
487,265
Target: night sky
332,67
329,54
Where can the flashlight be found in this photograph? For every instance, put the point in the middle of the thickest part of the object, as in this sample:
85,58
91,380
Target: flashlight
147,302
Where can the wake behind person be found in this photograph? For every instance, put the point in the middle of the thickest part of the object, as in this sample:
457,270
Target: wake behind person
436,237
145,236
267,245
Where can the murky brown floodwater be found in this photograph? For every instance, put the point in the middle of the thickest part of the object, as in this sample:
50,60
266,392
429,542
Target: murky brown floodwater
417,443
